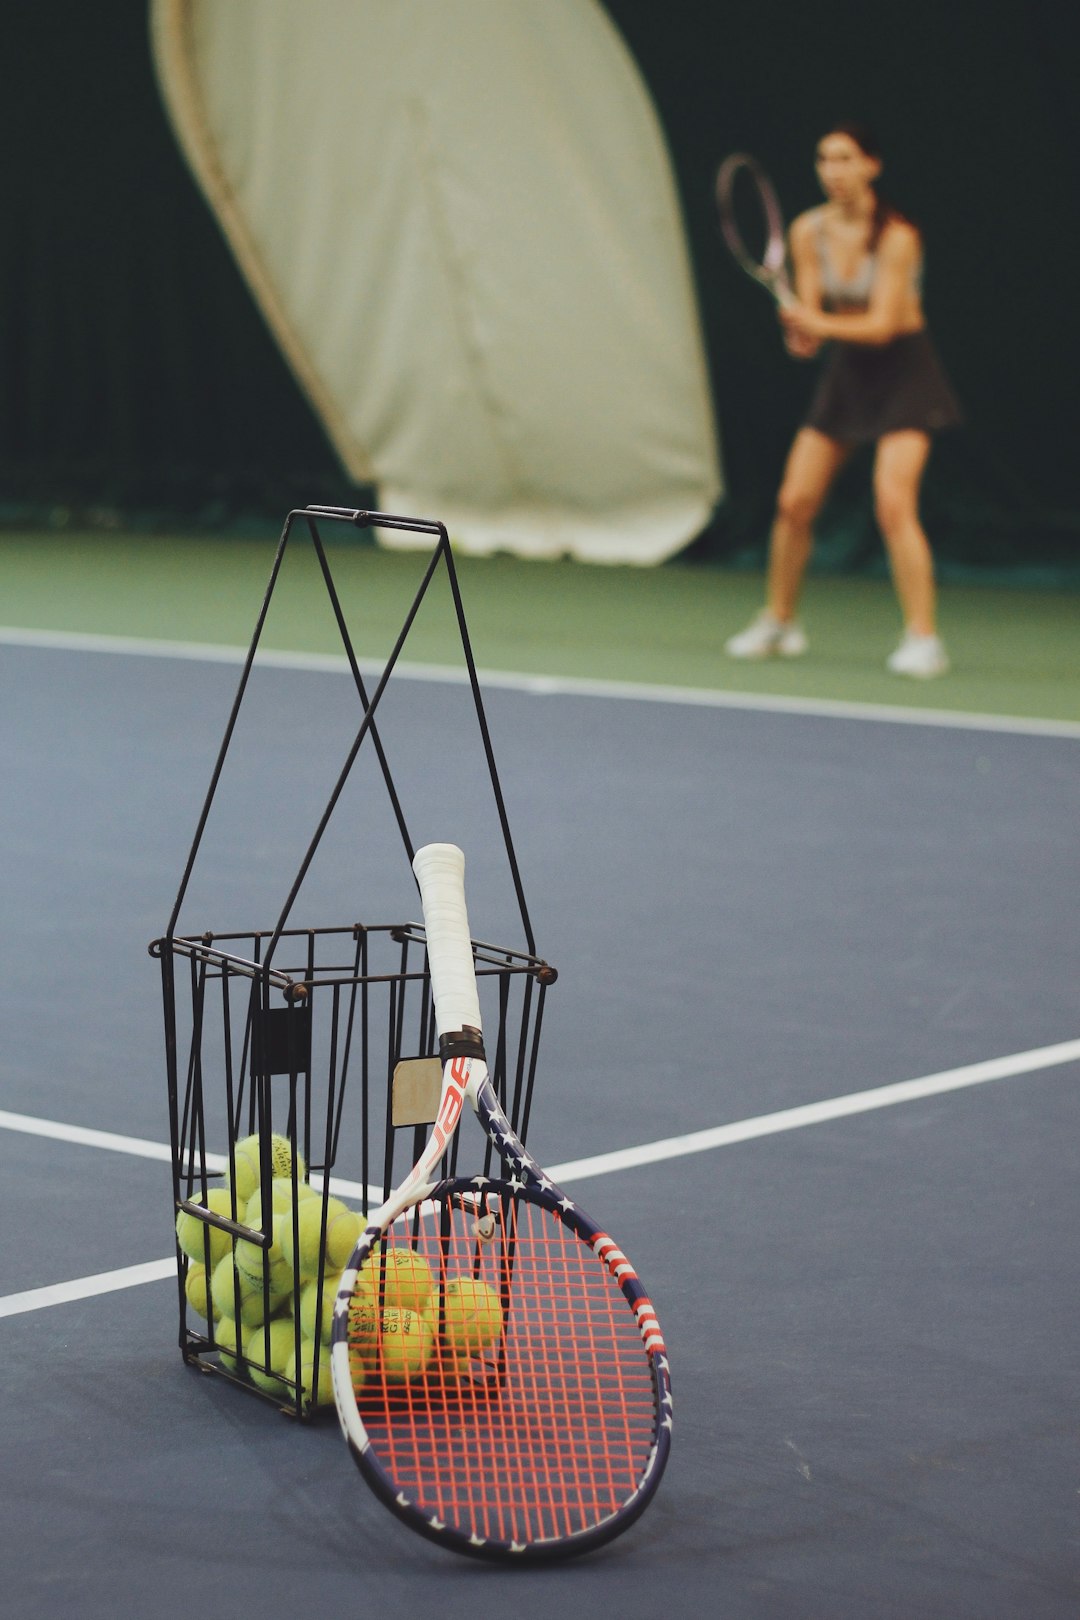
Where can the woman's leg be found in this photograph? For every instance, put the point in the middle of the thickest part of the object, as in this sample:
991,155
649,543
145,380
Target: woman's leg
813,462
898,469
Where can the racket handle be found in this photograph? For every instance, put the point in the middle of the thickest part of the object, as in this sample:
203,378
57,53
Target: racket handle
440,872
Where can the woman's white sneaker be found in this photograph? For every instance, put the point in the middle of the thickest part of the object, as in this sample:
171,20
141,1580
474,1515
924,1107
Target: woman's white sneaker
767,637
920,656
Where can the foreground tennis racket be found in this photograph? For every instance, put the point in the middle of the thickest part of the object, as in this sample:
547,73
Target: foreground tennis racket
499,1372
745,193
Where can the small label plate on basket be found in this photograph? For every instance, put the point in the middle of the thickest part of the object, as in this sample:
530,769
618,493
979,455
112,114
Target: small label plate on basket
417,1086
281,1040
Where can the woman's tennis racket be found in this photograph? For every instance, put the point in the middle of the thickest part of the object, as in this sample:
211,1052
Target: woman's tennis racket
499,1371
753,224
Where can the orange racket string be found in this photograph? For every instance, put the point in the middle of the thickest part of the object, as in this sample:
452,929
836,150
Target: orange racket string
545,1428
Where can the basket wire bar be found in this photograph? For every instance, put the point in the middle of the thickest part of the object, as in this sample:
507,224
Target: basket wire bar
442,554
293,1091
358,681
350,760
277,1032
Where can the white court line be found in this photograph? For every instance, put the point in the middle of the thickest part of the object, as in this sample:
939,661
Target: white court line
545,685
106,1282
793,1119
140,1148
83,1136
602,1164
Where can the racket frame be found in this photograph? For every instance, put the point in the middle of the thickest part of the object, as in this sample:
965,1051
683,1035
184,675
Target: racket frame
465,1079
770,271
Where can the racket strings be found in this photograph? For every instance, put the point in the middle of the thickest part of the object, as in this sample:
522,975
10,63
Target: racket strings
537,1418
749,225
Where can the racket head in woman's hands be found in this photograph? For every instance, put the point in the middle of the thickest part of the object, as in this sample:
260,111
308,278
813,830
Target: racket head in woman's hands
752,223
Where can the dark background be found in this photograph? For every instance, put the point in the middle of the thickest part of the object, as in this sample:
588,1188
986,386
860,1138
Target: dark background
140,387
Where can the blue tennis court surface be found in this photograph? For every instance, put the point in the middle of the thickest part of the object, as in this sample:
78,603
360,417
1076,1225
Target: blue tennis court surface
872,1317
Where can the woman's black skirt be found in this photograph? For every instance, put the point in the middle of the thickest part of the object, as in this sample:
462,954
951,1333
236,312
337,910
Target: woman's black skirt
867,390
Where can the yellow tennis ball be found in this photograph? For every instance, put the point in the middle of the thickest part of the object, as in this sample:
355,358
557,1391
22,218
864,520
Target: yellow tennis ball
323,1392
315,1310
245,1171
363,1335
472,1315
191,1233
225,1338
408,1279
280,1199
223,1286
363,1322
343,1229
248,1162
405,1344
282,1191
198,1294
359,1370
282,1337
251,1258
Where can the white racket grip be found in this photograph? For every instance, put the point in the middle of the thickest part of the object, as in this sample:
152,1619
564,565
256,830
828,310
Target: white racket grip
440,872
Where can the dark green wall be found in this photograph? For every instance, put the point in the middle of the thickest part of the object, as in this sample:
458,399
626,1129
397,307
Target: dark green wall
974,106
137,373
137,376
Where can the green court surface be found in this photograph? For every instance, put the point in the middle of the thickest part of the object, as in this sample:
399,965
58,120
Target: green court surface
1015,652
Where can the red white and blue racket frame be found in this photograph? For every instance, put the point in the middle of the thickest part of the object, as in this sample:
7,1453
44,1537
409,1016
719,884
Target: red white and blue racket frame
440,872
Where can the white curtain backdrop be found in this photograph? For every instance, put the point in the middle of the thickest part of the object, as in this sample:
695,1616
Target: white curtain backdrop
460,222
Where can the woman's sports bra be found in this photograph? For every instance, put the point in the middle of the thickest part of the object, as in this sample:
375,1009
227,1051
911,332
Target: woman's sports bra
853,293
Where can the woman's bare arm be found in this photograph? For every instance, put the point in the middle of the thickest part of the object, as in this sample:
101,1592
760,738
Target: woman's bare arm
804,263
889,311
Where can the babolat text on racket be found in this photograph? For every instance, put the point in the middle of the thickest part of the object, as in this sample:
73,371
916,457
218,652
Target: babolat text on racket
753,224
499,1371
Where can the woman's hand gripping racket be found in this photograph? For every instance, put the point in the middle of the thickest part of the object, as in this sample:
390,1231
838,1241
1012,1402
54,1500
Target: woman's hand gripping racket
744,193
499,1371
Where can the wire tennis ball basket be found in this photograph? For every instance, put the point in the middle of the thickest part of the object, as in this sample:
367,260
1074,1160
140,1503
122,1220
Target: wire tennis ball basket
302,1062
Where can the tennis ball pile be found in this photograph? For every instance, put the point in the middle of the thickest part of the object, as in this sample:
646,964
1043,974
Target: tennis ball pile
401,1328
250,1320
417,1335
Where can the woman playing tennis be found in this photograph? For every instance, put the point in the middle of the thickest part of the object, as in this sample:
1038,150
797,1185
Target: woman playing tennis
857,265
